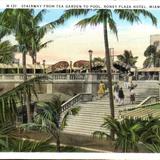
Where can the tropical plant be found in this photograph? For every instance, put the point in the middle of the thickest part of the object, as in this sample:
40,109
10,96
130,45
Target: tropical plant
98,63
6,52
126,131
152,57
131,133
51,117
105,17
11,100
8,141
36,34
24,145
25,28
150,133
154,148
127,58
5,128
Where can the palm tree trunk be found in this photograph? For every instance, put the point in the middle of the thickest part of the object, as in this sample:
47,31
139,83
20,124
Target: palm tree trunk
108,65
26,97
154,59
58,144
34,59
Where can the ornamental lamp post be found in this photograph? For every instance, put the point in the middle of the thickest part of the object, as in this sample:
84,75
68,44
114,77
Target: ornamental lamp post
90,60
44,61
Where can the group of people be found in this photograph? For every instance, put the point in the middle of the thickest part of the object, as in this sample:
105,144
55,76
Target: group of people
119,94
127,80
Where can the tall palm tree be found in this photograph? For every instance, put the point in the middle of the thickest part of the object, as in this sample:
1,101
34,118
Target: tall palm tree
52,118
128,58
37,33
20,29
23,31
105,17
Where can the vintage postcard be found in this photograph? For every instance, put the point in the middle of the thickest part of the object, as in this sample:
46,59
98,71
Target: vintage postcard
80,79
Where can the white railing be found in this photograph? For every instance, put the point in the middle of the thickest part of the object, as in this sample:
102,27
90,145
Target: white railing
74,100
148,101
61,76
15,77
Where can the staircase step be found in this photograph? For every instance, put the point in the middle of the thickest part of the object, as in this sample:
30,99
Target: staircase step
91,114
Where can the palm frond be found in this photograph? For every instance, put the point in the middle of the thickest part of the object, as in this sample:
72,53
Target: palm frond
24,145
154,148
39,17
146,14
128,14
10,100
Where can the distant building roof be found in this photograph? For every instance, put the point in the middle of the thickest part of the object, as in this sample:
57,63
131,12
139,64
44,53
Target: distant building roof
81,63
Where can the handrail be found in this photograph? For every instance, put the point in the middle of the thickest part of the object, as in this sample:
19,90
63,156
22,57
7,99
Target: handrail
149,100
77,98
146,102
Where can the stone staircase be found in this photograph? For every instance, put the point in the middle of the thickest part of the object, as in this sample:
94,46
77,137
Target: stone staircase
91,114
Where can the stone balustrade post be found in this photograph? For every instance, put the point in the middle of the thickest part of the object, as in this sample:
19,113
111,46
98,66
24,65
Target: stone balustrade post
68,76
91,83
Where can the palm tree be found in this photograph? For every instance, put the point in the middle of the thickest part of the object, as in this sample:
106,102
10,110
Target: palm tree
151,131
126,131
52,118
98,61
152,57
20,29
127,58
11,100
105,17
23,30
37,33
6,52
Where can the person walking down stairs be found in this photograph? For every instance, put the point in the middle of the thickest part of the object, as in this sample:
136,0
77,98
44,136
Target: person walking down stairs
101,89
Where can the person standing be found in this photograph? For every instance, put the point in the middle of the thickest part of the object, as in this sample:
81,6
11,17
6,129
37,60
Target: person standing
121,96
126,81
101,89
116,91
129,79
132,96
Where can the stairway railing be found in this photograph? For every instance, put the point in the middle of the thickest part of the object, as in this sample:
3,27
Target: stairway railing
77,98
148,101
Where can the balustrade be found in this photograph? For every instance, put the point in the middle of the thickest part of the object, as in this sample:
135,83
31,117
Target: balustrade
74,100
61,76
